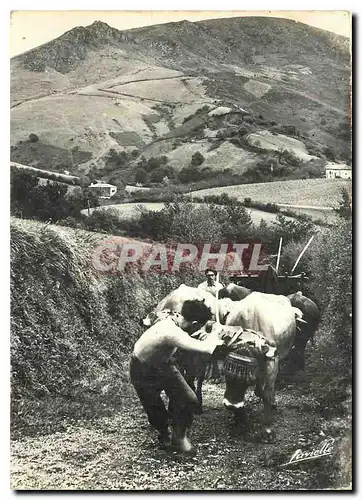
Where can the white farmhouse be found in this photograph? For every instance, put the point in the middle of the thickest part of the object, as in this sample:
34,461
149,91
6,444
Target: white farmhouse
338,171
103,189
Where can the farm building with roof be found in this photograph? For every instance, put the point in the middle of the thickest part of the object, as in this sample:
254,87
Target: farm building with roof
338,171
103,189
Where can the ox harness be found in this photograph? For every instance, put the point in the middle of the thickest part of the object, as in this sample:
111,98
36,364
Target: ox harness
243,351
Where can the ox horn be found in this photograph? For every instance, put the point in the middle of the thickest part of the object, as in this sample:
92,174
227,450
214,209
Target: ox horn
300,320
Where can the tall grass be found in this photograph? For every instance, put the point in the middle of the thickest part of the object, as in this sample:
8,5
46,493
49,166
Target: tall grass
332,267
71,330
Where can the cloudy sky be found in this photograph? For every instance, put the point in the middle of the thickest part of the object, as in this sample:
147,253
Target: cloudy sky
29,29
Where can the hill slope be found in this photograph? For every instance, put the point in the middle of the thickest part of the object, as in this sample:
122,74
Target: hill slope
96,88
308,192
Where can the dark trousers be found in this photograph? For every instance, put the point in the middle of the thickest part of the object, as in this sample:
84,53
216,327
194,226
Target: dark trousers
150,381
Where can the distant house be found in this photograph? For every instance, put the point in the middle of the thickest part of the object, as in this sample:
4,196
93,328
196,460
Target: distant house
103,189
338,171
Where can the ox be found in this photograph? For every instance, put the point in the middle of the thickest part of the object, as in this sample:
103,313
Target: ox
192,365
234,292
306,330
175,300
275,318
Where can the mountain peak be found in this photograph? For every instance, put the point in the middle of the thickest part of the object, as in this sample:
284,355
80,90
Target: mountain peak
65,52
96,31
100,24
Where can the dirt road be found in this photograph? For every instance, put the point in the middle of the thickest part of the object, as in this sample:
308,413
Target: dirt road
120,453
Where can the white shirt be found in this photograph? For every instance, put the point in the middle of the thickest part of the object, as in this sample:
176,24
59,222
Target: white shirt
211,289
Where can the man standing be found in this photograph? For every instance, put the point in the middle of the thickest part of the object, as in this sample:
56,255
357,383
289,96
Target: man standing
210,285
152,370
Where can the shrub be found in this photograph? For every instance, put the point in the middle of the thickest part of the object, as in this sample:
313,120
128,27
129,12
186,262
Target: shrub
43,202
141,175
248,119
288,157
152,163
22,192
104,220
243,130
332,267
200,111
215,144
294,230
266,207
197,159
345,209
33,138
220,199
330,154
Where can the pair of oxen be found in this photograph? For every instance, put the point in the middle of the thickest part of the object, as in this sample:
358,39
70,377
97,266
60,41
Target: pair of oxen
259,331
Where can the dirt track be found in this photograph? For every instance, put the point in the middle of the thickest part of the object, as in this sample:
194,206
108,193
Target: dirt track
120,453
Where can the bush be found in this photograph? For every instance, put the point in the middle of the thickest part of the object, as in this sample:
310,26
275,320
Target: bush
197,159
200,111
141,175
152,163
50,201
116,159
266,207
221,199
288,157
243,130
22,190
329,153
332,267
33,138
345,209
104,220
215,144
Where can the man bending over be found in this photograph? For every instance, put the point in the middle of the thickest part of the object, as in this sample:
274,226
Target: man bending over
152,370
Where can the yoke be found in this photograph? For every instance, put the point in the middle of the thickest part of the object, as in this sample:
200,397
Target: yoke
248,349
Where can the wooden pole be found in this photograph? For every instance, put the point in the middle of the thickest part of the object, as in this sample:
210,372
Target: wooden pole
301,255
279,252
217,315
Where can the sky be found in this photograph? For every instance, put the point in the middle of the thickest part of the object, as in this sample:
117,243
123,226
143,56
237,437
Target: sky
29,29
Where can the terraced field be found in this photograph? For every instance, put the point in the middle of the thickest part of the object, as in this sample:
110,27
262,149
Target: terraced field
308,192
129,210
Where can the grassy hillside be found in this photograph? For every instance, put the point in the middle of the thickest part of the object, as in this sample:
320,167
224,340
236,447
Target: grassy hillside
72,330
96,88
308,192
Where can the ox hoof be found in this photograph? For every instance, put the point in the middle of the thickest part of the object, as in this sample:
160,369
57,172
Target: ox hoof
164,439
182,446
268,436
